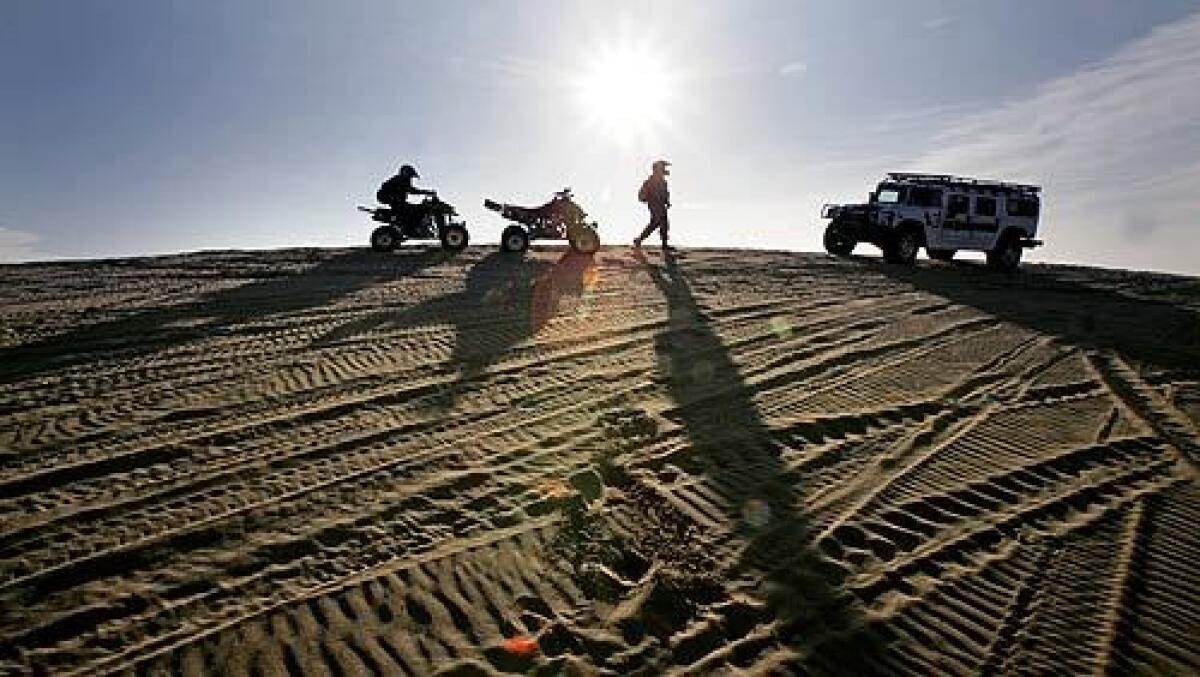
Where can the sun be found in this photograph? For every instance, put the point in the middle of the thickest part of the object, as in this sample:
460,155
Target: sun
627,92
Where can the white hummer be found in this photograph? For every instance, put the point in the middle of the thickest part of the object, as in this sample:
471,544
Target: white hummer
944,214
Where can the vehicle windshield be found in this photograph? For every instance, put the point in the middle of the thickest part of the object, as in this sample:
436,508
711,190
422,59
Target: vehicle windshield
887,195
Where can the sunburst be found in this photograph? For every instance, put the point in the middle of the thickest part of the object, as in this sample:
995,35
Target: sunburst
626,92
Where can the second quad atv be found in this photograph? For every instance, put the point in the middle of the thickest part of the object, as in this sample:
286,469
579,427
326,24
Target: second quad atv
559,219
430,219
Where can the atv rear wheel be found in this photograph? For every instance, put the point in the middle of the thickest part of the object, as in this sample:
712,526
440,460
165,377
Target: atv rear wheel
454,237
837,241
514,239
386,239
585,241
942,254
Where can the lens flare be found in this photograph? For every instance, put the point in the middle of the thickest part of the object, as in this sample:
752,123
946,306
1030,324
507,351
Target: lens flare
520,646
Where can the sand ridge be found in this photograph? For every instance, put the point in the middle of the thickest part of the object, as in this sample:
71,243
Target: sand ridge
343,462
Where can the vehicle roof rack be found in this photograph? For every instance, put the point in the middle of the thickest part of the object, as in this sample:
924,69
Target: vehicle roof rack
962,181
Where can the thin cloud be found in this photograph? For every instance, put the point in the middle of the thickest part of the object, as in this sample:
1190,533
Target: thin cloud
1115,145
16,245
937,22
919,119
794,69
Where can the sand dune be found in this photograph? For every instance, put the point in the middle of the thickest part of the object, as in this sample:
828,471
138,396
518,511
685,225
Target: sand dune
340,462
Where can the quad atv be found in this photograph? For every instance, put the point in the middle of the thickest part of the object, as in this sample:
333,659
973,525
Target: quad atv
559,219
430,219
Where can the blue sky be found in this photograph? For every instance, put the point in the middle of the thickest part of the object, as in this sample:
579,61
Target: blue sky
132,127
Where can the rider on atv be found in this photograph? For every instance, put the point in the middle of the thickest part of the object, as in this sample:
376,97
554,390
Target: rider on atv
395,191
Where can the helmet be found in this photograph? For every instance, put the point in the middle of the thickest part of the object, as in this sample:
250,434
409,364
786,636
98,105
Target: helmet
661,165
410,172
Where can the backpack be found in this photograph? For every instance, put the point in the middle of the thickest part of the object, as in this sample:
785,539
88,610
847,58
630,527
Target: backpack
644,191
386,193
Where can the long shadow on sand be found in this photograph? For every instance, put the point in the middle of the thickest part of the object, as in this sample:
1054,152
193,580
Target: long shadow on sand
506,299
217,313
1047,300
729,443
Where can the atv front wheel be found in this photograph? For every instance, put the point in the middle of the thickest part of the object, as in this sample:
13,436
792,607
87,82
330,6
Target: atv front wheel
837,241
585,241
514,239
454,237
386,239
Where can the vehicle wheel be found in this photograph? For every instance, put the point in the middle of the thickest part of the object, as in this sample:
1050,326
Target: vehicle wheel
903,248
585,241
514,239
837,242
454,237
385,239
942,254
1006,255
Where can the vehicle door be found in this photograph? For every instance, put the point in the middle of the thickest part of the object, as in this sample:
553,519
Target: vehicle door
956,224
925,205
985,222
890,201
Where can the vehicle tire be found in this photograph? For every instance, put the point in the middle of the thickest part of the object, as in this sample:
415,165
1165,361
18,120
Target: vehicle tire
514,239
903,247
942,254
386,239
837,242
585,241
1007,254
454,237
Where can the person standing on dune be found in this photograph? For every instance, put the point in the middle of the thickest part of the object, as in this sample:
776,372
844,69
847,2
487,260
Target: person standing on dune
657,197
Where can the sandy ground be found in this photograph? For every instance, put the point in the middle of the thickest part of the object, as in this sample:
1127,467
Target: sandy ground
340,462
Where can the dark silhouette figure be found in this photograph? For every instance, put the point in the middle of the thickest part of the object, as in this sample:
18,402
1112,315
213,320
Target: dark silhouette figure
729,444
395,191
655,194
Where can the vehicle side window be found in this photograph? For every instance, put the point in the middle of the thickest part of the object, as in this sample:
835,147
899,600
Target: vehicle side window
925,197
985,206
1022,207
958,204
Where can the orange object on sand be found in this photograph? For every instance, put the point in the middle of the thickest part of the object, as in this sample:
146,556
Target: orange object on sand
521,646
